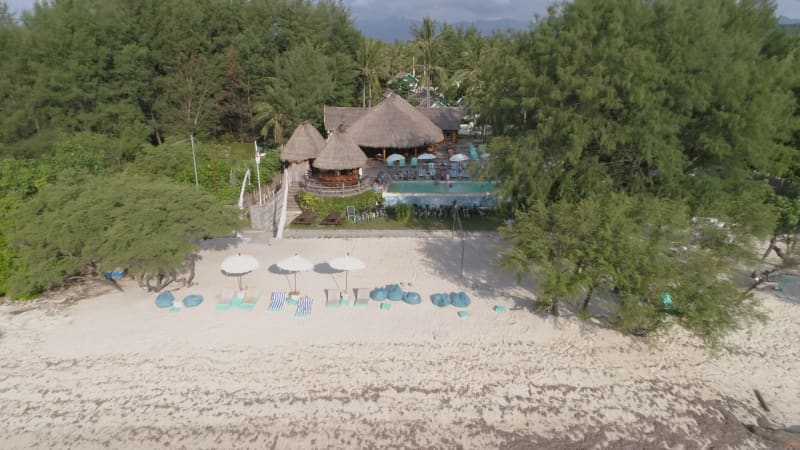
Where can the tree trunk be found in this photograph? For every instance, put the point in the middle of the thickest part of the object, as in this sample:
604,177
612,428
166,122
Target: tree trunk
364,94
554,307
155,129
585,306
191,270
770,247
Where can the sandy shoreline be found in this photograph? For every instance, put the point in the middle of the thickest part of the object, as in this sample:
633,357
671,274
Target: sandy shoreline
114,371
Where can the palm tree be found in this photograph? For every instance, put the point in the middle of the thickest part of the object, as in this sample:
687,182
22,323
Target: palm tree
367,57
273,120
425,36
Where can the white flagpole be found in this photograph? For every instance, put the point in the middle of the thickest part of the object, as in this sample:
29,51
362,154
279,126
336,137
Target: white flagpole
258,172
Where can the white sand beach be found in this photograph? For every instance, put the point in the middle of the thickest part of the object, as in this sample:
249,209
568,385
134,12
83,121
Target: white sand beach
114,371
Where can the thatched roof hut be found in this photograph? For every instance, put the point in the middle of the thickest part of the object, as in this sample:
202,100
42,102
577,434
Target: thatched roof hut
341,116
448,118
305,144
340,153
394,123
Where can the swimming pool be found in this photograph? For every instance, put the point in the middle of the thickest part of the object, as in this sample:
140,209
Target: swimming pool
464,193
442,187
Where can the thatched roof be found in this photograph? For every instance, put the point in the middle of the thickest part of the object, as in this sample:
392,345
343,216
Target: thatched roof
341,116
445,118
340,153
394,123
305,144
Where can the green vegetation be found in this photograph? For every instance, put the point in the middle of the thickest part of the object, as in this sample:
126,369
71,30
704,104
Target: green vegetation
325,206
645,146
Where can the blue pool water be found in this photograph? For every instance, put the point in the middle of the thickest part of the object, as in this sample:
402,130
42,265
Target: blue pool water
464,193
430,187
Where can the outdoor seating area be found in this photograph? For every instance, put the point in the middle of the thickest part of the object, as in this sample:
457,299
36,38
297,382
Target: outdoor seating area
305,218
245,298
335,218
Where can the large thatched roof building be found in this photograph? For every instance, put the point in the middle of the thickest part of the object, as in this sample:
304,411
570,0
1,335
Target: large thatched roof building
339,160
305,144
395,124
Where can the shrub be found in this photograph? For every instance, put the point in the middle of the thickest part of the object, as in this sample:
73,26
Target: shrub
326,206
403,213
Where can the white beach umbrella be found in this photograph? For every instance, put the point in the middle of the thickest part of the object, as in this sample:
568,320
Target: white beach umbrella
458,157
347,263
295,264
238,265
395,157
426,156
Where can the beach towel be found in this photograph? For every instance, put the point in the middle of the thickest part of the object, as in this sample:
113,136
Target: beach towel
278,301
463,314
386,306
304,307
500,309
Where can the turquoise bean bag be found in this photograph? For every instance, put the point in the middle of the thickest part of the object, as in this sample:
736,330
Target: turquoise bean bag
440,300
190,301
395,294
412,298
378,295
165,300
461,300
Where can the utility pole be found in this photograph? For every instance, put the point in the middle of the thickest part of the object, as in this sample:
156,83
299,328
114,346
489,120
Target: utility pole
194,161
258,171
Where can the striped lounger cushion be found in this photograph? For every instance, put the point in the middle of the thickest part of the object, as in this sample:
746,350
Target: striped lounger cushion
304,307
278,301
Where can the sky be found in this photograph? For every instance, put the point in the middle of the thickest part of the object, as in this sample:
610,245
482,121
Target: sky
454,10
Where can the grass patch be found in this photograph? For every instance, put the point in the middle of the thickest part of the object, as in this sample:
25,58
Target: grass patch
489,222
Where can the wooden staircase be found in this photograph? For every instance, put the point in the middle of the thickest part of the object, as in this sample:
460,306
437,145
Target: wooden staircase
292,208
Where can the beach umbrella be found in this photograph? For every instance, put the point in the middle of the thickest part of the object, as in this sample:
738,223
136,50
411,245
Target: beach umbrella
458,157
347,263
395,157
238,265
426,156
295,264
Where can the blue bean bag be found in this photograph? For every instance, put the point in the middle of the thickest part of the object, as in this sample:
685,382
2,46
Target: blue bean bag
190,301
461,300
378,295
440,300
412,298
165,300
395,294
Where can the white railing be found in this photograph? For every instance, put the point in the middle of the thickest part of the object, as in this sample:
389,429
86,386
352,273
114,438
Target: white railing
287,182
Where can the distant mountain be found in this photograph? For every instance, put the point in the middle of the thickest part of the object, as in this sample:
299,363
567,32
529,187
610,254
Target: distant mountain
783,20
391,29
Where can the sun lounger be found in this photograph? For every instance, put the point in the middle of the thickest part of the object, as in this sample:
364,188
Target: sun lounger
500,309
360,301
386,306
304,307
463,314
224,299
250,302
238,298
332,299
278,301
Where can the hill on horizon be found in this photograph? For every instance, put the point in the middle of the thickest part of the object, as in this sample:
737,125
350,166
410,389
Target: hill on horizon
392,29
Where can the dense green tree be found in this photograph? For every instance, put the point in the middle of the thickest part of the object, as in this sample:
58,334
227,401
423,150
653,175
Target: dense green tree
673,101
147,226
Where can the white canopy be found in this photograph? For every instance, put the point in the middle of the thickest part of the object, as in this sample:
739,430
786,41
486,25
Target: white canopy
395,157
347,263
239,265
426,156
458,157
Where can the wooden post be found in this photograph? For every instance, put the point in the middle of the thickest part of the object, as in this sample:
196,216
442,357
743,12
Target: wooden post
384,155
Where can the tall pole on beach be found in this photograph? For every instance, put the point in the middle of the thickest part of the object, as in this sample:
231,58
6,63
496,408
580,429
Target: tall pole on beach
258,171
194,161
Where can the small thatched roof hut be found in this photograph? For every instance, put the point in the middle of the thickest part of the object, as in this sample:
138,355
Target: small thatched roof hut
394,123
305,144
340,153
